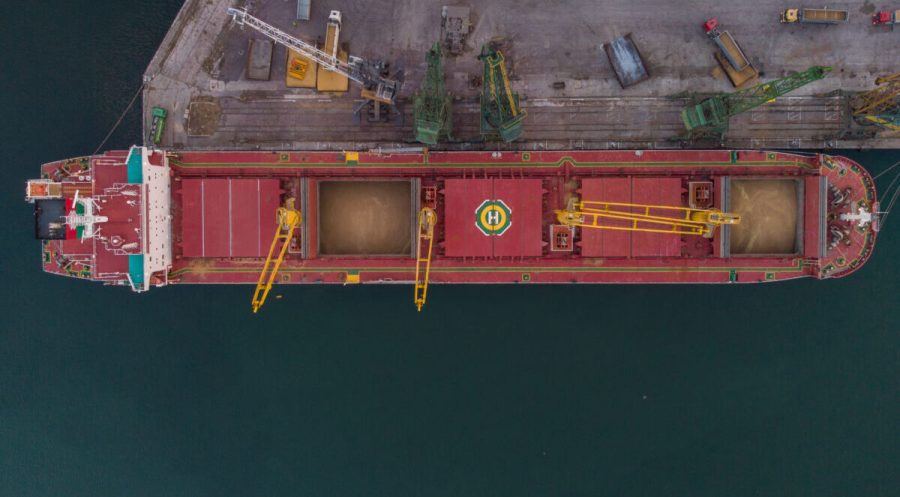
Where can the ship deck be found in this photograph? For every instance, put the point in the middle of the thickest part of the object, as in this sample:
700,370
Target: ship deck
533,184
496,216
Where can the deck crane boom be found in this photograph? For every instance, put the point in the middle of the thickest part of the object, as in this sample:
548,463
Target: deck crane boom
645,218
368,75
712,114
427,220
287,218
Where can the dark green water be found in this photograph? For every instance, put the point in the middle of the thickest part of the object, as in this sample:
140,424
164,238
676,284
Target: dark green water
766,390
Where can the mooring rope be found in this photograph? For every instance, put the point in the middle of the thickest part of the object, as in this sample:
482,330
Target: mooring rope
893,196
886,170
119,121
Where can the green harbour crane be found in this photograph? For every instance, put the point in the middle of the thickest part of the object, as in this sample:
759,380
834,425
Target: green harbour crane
711,115
432,110
500,112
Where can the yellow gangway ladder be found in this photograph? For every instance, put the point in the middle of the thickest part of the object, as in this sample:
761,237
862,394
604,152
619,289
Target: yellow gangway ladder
644,218
427,221
287,218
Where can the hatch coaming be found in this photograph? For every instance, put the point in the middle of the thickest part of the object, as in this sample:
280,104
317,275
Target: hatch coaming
773,212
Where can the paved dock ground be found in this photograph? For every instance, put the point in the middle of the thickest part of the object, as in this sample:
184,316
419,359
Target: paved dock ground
556,63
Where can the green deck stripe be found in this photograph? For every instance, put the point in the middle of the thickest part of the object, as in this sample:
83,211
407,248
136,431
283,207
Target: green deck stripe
797,266
448,165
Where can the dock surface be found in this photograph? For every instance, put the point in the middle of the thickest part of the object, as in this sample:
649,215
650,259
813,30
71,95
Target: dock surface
556,62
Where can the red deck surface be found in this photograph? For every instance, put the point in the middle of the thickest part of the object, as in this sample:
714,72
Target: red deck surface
647,191
228,217
107,172
110,177
655,191
232,224
606,243
124,219
463,197
523,239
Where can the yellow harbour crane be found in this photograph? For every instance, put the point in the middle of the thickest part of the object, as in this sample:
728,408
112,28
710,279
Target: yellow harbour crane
287,218
644,218
427,220
883,96
880,105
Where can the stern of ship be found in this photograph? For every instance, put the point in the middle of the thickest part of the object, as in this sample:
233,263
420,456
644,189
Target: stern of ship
106,217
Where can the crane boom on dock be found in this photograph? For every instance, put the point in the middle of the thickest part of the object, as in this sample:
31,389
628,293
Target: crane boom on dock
880,105
500,111
431,104
713,113
360,71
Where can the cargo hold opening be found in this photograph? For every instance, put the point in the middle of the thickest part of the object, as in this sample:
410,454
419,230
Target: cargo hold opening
771,216
366,217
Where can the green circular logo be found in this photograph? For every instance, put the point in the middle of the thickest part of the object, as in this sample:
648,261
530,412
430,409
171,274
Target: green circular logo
493,217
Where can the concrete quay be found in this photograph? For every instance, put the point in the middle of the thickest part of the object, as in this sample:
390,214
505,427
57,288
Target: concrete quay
556,64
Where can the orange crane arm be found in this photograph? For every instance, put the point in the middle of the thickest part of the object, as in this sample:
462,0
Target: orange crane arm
287,219
644,218
427,220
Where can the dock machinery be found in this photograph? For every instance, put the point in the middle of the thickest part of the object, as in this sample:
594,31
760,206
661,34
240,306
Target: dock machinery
375,86
710,116
881,105
432,111
500,112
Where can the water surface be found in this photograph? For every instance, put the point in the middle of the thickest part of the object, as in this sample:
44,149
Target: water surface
773,389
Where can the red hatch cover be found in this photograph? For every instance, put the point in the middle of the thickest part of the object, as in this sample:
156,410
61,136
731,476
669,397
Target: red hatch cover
647,191
225,217
493,217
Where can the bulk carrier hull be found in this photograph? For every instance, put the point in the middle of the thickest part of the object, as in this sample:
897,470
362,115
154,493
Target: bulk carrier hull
146,217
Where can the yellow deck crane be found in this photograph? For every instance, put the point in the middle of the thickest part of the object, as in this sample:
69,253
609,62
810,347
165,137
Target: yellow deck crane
644,218
427,220
287,218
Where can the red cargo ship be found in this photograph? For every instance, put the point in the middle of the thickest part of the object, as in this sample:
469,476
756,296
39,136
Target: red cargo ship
145,217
